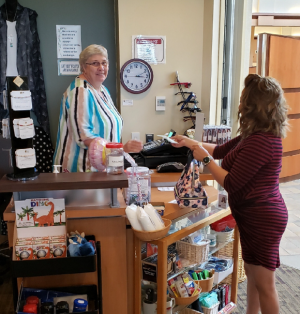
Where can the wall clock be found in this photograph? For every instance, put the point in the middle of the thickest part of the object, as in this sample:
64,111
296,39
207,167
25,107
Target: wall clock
136,76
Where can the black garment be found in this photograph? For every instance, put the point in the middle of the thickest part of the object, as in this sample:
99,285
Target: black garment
43,150
29,62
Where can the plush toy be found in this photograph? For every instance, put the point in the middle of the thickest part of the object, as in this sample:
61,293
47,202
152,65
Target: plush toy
79,246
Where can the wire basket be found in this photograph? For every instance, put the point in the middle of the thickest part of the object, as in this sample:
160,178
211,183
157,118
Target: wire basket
195,253
211,310
189,311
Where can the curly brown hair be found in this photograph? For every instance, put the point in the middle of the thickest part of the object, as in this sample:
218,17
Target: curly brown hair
262,107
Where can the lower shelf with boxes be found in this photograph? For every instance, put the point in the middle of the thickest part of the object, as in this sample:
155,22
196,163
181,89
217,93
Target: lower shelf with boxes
194,275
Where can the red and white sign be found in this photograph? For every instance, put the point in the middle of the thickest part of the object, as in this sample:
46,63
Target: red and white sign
152,49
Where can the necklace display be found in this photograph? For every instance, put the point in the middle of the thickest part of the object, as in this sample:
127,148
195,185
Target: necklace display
10,37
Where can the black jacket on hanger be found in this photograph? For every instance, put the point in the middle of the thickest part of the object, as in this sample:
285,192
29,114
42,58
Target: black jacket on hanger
29,62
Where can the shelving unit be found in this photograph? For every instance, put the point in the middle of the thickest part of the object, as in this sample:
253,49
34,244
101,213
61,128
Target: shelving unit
162,260
59,266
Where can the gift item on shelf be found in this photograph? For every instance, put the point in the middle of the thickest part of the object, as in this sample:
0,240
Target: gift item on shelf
25,158
222,199
21,100
23,128
114,158
229,308
209,303
216,134
223,236
221,224
213,240
79,306
5,128
142,176
79,246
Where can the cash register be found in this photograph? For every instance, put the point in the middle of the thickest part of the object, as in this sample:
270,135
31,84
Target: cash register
158,152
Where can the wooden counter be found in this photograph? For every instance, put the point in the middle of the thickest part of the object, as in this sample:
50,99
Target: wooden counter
108,225
66,181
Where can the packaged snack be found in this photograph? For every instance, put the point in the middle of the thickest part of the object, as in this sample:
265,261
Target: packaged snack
181,287
173,287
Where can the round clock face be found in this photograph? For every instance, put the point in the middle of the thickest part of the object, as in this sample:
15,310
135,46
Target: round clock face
136,76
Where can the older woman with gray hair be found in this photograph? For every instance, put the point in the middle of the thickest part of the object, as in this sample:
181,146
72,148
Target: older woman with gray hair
88,112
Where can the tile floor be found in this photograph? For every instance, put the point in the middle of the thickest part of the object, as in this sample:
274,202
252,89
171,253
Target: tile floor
290,243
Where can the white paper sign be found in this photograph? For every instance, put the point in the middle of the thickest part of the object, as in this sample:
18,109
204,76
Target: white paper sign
152,49
68,41
68,67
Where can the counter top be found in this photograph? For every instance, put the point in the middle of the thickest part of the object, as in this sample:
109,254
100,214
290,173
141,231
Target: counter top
66,181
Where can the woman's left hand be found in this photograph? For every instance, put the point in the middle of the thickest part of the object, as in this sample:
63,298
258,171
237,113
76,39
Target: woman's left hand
133,146
199,152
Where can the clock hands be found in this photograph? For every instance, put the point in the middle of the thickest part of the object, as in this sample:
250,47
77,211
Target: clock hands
135,75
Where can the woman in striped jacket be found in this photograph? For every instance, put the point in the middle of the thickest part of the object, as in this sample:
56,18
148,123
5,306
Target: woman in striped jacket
88,112
250,174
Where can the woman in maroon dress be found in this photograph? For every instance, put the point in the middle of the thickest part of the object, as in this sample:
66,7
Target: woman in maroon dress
250,174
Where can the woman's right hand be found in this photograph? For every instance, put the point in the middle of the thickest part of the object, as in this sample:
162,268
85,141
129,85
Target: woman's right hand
184,141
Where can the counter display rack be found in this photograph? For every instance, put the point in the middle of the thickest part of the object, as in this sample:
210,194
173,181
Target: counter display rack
60,266
189,223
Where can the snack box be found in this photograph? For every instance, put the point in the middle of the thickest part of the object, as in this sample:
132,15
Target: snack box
41,238
41,249
24,239
228,308
58,248
24,251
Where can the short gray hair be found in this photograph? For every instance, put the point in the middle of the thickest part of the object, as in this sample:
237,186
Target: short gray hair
90,51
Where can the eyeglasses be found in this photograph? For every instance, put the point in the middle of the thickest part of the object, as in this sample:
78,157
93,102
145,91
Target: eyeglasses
96,64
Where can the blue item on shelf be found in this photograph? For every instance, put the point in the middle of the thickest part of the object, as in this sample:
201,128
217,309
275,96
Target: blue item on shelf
209,300
80,305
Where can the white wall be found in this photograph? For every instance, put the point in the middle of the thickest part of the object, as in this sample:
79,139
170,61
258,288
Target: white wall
276,6
182,24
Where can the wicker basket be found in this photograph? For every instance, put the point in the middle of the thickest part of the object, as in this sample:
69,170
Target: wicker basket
188,300
211,310
153,235
195,253
189,311
206,284
228,251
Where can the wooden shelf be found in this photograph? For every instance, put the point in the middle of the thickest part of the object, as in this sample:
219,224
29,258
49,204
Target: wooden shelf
66,181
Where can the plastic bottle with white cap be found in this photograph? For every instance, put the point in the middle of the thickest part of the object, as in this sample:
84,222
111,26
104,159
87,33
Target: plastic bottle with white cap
55,170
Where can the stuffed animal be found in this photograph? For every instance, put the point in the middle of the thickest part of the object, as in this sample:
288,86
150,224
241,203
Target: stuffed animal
79,246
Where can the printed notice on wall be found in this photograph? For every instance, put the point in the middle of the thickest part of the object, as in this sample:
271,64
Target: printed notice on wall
68,41
68,67
152,49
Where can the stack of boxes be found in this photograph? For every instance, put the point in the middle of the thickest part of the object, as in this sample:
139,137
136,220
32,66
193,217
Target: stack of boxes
41,247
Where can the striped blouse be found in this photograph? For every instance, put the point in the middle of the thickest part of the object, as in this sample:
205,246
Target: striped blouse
84,114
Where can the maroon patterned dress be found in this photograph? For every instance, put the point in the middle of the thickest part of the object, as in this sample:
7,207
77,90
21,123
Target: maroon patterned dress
252,183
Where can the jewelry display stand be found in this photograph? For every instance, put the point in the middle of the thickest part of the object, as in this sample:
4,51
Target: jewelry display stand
18,143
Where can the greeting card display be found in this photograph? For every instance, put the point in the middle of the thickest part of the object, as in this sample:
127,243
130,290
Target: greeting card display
21,100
